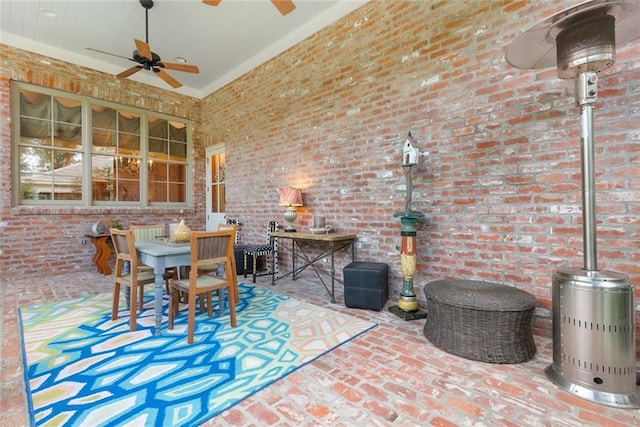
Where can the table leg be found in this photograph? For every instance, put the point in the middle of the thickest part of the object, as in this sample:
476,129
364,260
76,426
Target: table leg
293,258
101,257
333,273
159,282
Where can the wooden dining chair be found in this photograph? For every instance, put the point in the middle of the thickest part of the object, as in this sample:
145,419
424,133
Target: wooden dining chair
135,277
145,233
212,268
207,248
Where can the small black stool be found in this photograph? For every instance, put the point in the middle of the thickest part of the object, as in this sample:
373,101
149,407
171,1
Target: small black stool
366,285
480,320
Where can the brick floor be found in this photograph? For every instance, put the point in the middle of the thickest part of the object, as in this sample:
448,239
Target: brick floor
389,376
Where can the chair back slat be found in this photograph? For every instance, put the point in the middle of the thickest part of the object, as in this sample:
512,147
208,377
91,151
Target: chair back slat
123,243
144,233
211,246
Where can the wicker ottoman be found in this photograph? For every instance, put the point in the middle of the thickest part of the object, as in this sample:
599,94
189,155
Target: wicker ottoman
480,320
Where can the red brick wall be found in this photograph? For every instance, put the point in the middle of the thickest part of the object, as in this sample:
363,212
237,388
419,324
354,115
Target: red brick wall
501,186
38,241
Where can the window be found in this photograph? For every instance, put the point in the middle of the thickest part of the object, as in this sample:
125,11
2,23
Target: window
73,150
50,148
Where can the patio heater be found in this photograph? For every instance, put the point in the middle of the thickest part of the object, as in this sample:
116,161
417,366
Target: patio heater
593,314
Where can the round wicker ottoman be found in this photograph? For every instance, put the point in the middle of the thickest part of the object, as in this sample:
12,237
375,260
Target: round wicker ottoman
480,320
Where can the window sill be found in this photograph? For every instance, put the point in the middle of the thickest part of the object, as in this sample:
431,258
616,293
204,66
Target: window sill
95,210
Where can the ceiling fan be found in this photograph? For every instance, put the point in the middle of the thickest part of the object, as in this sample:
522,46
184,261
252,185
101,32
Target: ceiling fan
284,6
148,60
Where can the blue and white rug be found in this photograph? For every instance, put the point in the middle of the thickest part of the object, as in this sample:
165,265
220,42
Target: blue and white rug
82,369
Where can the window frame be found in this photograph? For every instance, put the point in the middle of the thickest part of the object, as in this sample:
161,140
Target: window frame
87,150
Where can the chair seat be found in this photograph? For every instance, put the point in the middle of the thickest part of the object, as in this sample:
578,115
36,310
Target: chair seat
204,281
142,276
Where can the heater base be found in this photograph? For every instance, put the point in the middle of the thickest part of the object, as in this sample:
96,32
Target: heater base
618,400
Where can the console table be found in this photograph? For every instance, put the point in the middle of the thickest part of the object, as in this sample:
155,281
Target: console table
103,252
329,243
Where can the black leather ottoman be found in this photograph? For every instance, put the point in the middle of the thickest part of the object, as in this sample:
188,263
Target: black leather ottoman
238,253
366,285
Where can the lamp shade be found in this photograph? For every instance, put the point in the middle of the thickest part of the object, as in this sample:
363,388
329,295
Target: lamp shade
290,197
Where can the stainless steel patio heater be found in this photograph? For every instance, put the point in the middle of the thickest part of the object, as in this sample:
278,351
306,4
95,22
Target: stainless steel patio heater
593,311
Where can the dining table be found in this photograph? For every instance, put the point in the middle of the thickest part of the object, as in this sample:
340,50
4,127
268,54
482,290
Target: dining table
161,254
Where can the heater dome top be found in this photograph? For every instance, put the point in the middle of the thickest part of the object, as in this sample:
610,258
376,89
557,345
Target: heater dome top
536,46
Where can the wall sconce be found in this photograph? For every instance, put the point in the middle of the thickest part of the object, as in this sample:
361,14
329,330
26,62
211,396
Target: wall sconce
292,199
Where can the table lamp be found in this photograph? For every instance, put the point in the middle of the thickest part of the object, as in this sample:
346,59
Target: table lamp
291,198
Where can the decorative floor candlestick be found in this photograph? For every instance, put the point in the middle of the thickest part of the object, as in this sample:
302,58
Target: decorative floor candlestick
408,307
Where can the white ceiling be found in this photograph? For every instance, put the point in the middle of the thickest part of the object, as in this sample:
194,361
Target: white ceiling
225,41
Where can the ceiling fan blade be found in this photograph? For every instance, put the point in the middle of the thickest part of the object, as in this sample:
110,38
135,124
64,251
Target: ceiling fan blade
284,6
180,67
167,78
211,2
129,71
109,53
144,49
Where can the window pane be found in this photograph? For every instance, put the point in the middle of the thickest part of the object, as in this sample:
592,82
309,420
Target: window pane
34,131
50,174
128,190
178,131
178,151
35,160
158,149
129,144
157,191
35,105
177,192
177,173
67,135
128,168
104,141
157,128
102,178
103,117
129,122
67,110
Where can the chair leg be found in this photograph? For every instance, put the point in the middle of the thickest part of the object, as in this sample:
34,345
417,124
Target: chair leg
209,304
192,318
232,306
133,310
172,306
116,301
244,270
255,267
141,299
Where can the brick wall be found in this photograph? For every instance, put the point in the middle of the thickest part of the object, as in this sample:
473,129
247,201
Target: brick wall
501,186
39,239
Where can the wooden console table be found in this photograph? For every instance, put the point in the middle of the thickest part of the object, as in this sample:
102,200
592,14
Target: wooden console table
332,242
103,252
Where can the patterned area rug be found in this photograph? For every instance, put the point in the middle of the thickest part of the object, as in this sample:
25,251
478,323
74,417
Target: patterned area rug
84,369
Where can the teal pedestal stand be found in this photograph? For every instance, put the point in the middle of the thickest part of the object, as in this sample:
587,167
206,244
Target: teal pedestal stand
408,308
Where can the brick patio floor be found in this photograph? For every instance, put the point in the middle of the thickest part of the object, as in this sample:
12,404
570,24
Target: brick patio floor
390,376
